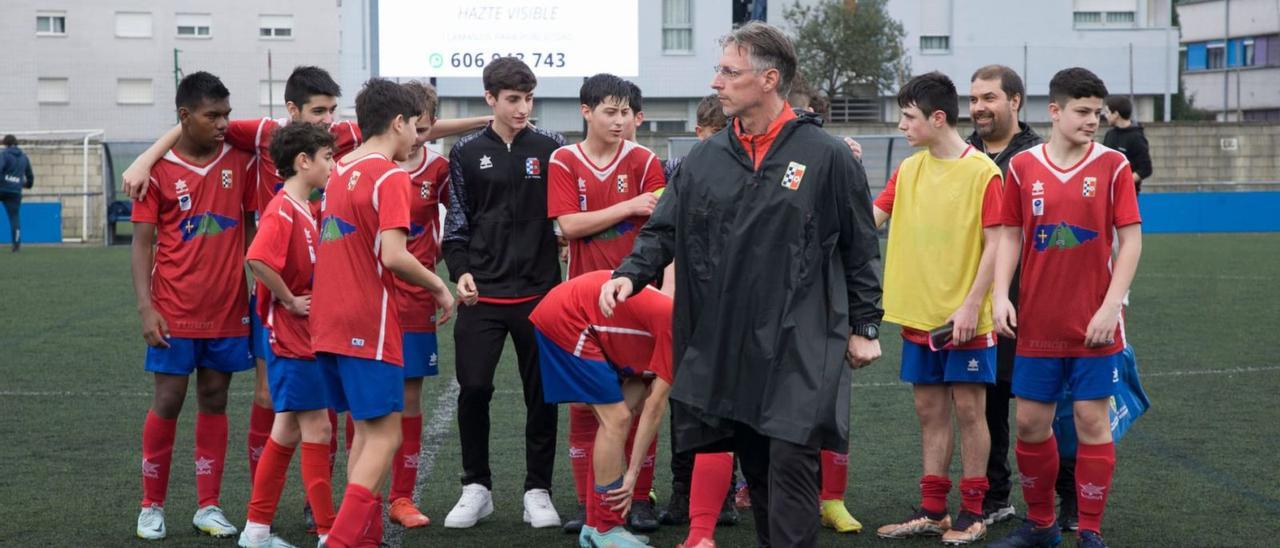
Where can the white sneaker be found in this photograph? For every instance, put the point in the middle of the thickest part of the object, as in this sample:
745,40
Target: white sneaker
271,541
538,510
211,521
475,504
151,523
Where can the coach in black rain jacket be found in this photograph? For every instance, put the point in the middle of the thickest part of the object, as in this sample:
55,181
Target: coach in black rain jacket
768,282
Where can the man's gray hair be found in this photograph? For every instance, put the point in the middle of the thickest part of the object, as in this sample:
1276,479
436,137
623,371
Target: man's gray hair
767,48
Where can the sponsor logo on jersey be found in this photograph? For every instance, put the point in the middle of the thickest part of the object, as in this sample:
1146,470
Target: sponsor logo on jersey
1037,188
335,229
622,184
1037,207
795,173
416,230
612,233
1060,236
357,342
355,178
1090,187
206,224
532,167
582,202
226,178
485,162
582,184
184,195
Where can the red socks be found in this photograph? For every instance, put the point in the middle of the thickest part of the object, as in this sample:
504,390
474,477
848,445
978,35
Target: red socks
1038,466
373,531
211,451
404,466
260,421
600,513
354,518
1095,465
835,475
644,481
267,485
157,454
582,436
933,494
712,473
972,491
317,479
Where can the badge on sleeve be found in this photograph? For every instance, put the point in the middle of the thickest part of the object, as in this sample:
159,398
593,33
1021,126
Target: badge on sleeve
795,173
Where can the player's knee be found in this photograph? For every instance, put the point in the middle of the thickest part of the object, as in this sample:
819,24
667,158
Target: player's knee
1032,428
1092,427
167,405
932,411
212,399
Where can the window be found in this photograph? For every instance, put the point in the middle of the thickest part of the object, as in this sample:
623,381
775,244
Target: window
275,27
271,92
677,26
1120,17
53,91
1217,56
50,23
134,91
1184,60
133,24
1247,52
193,25
935,44
1088,18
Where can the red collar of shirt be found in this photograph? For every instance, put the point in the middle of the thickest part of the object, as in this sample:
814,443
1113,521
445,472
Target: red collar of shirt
758,145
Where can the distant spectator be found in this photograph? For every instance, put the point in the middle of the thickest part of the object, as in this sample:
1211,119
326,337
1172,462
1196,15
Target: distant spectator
1127,137
15,175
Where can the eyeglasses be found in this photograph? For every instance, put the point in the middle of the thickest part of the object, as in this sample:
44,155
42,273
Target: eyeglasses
730,73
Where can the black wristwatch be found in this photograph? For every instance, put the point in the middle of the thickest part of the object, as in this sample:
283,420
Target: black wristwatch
870,331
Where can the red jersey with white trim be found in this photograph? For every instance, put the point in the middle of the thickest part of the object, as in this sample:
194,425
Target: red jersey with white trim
636,340
353,304
575,185
254,136
197,283
992,204
429,188
1068,218
286,243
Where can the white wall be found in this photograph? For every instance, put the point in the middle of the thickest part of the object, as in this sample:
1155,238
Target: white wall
1205,21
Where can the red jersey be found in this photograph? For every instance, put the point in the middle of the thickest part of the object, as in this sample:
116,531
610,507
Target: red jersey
286,243
353,309
1068,218
429,188
197,283
254,135
637,339
992,204
575,184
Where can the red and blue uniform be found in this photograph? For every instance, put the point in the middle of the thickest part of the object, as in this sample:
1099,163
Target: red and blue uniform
429,189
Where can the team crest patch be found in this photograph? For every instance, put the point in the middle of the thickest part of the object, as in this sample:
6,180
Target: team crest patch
622,184
795,173
355,177
532,167
1090,187
426,191
1037,188
226,178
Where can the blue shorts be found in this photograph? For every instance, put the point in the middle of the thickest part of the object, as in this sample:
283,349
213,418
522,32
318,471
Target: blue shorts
567,378
1046,379
226,354
368,388
301,385
258,331
420,356
920,365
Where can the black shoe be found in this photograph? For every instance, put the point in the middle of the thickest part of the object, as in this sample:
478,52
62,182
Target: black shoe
1090,539
574,526
309,518
728,512
643,517
1030,536
1069,516
996,511
677,510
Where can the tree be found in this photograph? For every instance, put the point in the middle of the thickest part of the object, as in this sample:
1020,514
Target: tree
846,46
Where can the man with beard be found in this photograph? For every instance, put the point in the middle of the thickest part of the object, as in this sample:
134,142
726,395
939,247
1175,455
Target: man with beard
996,95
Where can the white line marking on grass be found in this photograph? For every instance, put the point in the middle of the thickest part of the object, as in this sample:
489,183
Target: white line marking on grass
433,438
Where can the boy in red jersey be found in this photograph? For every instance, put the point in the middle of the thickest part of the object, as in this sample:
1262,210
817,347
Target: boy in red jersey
429,175
616,364
601,191
282,258
1065,203
355,325
192,297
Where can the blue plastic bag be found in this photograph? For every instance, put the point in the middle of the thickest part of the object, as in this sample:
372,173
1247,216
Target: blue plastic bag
1129,403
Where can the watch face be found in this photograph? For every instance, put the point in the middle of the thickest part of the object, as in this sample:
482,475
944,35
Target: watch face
873,332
